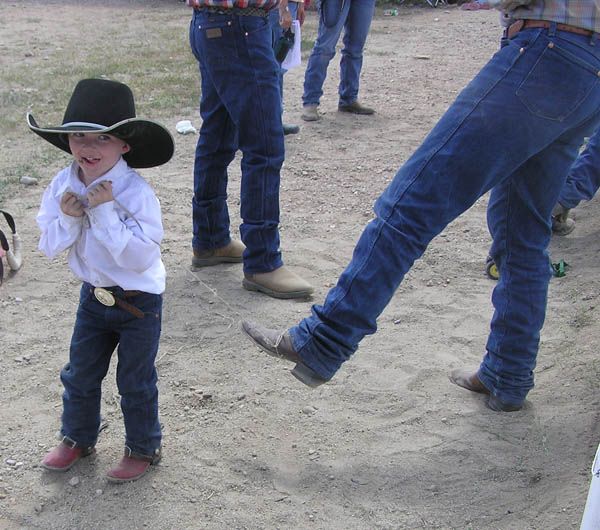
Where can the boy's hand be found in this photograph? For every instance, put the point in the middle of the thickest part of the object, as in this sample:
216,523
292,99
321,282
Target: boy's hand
71,205
100,194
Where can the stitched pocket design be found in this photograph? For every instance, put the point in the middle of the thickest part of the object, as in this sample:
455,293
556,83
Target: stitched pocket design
557,84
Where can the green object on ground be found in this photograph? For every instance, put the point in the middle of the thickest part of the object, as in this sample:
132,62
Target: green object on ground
560,268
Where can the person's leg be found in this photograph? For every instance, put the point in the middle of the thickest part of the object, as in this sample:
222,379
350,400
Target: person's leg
582,183
137,377
217,144
322,53
237,55
519,221
92,345
243,76
356,30
136,381
457,163
583,180
242,57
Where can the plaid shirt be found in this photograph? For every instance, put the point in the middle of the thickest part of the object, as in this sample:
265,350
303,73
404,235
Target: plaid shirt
580,13
227,4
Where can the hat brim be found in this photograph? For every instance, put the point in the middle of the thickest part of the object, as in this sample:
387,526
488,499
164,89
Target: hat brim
151,143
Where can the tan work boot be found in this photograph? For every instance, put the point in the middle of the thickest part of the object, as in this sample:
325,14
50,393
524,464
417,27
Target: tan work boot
310,113
230,253
280,283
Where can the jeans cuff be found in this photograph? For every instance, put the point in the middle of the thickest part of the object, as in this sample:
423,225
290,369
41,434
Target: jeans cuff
305,350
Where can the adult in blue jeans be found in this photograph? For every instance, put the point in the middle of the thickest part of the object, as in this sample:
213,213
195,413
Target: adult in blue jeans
582,184
240,108
296,10
354,17
515,130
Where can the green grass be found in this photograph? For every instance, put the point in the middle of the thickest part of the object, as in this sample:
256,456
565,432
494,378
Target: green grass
39,75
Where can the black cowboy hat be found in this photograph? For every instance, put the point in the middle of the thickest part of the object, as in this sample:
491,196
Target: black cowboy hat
102,106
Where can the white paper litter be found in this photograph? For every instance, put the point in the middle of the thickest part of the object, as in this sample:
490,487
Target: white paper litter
185,127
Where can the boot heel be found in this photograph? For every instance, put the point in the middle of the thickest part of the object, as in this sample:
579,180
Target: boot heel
307,376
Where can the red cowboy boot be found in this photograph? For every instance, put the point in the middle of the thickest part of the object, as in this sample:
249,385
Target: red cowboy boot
64,455
132,466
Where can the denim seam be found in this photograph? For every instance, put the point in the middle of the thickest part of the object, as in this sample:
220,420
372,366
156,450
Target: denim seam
268,159
359,269
505,277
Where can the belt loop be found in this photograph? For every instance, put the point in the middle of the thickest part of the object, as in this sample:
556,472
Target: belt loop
593,39
552,29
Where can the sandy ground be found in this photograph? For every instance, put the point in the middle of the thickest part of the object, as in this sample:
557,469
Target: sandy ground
390,442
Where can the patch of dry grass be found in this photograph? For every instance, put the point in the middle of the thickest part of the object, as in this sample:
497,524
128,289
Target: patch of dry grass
147,48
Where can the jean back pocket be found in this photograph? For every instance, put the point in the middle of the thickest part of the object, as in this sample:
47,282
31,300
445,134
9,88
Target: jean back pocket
557,84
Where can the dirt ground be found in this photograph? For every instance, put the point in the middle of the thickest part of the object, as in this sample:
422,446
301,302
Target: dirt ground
390,442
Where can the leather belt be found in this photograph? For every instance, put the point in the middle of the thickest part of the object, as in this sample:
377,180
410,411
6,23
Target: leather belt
519,25
108,298
240,11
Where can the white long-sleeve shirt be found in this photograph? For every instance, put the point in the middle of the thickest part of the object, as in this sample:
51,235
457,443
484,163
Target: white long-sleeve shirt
116,243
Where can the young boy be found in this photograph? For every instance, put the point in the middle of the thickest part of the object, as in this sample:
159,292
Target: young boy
108,218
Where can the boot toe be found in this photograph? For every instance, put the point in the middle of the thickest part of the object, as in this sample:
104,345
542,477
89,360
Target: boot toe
468,380
63,457
279,344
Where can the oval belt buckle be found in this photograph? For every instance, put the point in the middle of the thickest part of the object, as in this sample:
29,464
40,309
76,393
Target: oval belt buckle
104,296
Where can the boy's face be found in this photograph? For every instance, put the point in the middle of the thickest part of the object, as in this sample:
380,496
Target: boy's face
96,153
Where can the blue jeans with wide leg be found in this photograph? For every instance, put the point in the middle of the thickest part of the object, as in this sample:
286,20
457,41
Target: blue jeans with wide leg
355,20
99,330
240,108
515,130
584,177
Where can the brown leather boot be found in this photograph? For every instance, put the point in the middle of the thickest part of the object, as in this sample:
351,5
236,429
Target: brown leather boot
471,381
279,344
356,108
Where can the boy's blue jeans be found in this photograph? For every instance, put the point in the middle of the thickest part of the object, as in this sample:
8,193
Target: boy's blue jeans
515,130
355,20
584,176
240,108
98,331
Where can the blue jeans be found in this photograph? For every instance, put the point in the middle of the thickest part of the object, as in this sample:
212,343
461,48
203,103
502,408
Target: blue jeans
98,331
355,20
277,32
240,108
509,131
583,180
